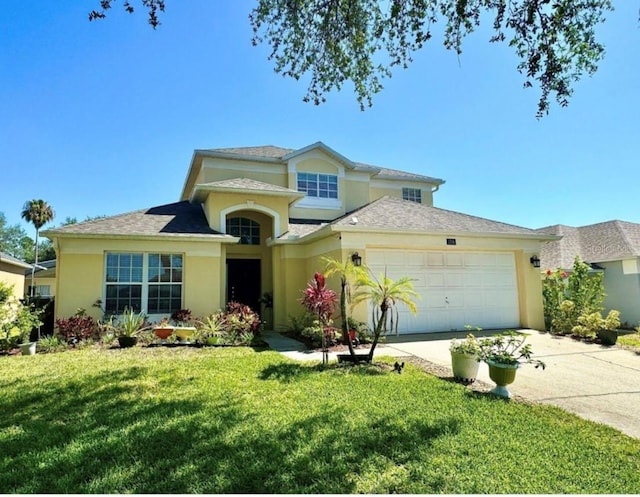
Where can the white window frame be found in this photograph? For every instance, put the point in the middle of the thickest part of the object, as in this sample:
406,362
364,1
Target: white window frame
316,201
144,283
412,194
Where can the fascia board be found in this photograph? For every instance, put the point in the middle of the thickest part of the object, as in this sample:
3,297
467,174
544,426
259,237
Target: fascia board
356,229
160,237
324,148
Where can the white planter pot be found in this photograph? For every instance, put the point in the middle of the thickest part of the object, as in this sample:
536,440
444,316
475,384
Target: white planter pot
28,348
465,367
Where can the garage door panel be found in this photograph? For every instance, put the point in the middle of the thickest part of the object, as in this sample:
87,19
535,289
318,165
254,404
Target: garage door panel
456,288
454,259
435,259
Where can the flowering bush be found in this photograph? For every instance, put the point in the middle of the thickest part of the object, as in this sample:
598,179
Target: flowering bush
567,297
16,319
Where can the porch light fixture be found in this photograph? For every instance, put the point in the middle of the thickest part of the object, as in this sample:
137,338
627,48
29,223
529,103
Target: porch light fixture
356,259
535,261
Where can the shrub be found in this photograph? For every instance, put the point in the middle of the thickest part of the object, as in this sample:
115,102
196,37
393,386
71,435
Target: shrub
589,324
568,297
51,344
240,318
181,316
16,319
77,327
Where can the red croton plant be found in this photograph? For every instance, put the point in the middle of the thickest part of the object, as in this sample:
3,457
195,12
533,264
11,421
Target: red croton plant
321,301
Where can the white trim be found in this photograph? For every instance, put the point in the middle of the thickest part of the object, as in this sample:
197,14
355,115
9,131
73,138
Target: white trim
250,205
319,203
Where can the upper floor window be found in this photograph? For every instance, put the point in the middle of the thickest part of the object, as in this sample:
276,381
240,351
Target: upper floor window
246,229
412,194
318,185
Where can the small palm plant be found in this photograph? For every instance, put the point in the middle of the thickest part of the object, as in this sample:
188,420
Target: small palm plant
384,294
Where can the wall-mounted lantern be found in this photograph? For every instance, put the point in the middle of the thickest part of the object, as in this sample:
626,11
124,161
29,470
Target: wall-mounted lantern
535,261
356,259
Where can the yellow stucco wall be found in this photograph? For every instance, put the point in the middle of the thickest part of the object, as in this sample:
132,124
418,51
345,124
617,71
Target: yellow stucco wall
81,272
223,169
13,276
394,189
229,203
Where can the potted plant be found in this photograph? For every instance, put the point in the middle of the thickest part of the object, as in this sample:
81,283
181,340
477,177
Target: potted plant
128,327
606,329
504,354
210,329
182,318
465,359
163,330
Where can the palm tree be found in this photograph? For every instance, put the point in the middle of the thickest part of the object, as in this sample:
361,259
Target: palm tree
38,213
384,293
347,272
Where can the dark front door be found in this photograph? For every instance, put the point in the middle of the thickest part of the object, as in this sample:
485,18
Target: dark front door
243,282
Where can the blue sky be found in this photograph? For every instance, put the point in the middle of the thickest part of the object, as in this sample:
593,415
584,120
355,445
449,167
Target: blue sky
102,118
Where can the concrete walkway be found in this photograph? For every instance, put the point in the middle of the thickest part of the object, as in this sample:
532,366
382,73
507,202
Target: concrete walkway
598,383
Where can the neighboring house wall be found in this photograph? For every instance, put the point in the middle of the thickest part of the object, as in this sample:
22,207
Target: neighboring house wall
13,275
623,290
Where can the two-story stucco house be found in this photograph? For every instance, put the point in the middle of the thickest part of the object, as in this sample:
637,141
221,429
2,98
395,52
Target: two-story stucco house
258,219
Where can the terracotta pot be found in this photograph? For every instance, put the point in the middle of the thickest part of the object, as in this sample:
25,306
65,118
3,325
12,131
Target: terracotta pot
163,333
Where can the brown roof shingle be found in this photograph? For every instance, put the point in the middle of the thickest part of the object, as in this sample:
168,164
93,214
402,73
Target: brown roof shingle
176,219
600,242
395,213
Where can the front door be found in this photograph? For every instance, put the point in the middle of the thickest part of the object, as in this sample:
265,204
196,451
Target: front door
243,282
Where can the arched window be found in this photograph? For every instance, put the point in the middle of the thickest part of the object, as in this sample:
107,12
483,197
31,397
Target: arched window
247,229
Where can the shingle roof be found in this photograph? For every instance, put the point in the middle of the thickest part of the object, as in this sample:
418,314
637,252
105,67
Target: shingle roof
273,152
600,242
259,151
176,220
395,213
248,184
9,259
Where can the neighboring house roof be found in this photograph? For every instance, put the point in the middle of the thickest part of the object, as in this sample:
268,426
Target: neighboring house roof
42,266
389,214
180,219
601,242
9,259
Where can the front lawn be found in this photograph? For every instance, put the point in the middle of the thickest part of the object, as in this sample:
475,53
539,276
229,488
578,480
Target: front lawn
183,420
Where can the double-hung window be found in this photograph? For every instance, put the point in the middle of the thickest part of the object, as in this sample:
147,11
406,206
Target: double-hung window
149,282
412,194
318,185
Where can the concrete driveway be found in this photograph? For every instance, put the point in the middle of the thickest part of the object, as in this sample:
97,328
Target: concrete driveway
598,383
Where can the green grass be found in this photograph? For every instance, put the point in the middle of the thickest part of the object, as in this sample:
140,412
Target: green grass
631,342
243,421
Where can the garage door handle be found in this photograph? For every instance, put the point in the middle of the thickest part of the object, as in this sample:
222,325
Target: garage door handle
446,300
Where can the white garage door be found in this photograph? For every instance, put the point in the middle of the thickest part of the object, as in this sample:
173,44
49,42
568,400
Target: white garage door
456,288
